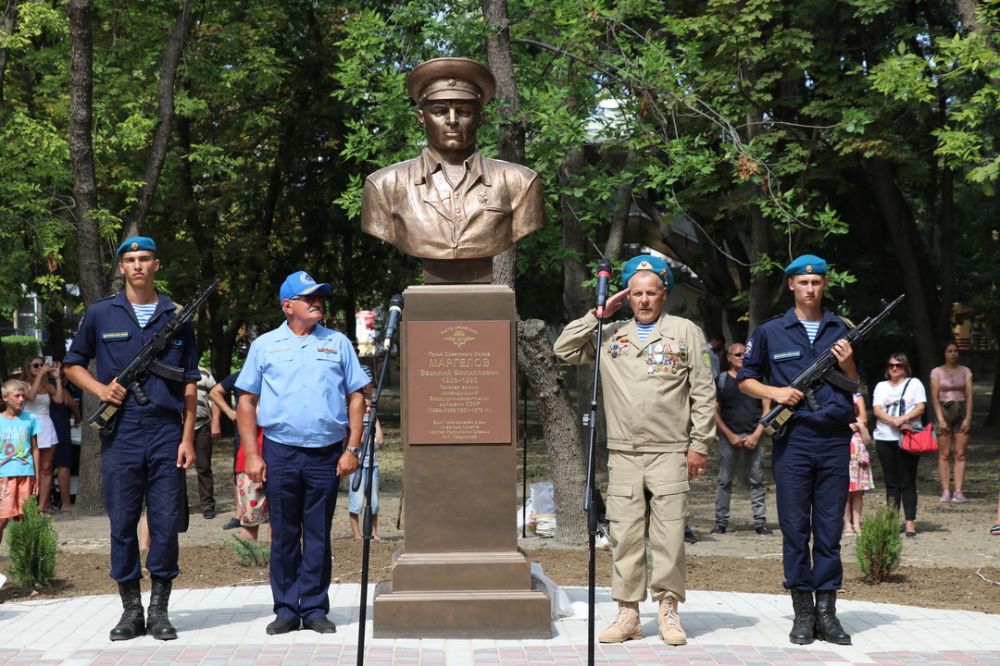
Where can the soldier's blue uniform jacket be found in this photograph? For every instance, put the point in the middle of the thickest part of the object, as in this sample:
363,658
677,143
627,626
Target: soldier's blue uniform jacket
110,334
780,349
139,457
811,457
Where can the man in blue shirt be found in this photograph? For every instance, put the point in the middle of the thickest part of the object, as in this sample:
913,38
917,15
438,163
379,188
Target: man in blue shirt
810,458
144,458
307,382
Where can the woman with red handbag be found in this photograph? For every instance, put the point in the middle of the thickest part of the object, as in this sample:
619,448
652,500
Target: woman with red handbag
899,403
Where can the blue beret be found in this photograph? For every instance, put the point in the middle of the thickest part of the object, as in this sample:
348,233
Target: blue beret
647,262
807,264
135,244
301,283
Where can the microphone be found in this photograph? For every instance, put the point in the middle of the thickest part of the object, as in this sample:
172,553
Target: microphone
395,310
603,277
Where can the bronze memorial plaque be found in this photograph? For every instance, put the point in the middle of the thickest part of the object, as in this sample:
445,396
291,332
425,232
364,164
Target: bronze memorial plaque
459,382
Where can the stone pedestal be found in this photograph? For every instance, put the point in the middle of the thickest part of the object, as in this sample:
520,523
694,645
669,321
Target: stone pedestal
459,574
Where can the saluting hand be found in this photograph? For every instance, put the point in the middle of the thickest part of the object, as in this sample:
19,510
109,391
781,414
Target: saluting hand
615,302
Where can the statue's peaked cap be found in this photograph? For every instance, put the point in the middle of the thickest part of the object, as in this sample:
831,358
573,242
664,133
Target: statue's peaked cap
450,78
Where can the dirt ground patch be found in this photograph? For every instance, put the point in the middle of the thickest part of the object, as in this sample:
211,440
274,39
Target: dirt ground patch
952,563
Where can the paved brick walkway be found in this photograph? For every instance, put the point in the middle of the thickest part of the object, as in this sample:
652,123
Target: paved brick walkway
226,626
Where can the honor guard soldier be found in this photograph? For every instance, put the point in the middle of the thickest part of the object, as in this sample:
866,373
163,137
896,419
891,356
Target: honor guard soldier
659,404
144,457
307,382
811,456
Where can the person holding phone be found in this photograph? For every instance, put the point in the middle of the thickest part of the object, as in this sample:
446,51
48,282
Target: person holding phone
42,393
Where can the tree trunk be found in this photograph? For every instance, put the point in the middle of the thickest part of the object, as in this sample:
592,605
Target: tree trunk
7,24
89,499
511,146
946,245
161,134
559,428
535,355
164,121
913,262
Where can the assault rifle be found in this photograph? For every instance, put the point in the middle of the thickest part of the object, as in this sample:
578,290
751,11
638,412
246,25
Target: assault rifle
135,372
824,369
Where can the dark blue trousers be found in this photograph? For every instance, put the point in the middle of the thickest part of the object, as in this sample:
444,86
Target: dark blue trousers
301,492
811,476
139,463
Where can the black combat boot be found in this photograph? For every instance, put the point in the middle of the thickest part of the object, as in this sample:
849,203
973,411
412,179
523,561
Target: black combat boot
132,623
827,625
804,623
159,624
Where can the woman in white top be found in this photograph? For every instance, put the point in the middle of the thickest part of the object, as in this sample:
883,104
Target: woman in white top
41,394
898,403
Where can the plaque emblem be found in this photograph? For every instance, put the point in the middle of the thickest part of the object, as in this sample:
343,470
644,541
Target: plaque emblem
459,335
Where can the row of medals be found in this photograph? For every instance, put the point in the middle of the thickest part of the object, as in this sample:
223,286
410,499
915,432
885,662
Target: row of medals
660,357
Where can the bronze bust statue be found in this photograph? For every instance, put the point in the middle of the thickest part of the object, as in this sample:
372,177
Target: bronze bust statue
451,204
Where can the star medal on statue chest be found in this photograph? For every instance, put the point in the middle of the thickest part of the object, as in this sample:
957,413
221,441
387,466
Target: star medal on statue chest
483,199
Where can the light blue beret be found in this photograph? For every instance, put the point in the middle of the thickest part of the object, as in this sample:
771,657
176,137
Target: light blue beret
807,264
135,244
646,262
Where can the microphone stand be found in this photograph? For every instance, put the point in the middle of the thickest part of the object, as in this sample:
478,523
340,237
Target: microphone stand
368,452
589,503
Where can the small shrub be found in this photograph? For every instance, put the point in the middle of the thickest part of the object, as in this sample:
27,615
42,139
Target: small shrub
32,542
15,349
879,545
250,553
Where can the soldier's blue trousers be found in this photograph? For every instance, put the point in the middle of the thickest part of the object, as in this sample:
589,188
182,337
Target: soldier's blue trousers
139,465
811,476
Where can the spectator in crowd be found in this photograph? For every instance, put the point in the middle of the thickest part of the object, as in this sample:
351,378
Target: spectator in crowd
951,398
18,452
737,419
860,469
306,381
659,403
43,391
219,395
63,415
898,403
206,428
356,498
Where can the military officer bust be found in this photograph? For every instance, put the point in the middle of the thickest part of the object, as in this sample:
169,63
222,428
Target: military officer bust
451,204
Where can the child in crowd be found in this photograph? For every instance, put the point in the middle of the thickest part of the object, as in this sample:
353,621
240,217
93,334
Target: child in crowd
251,503
860,466
18,452
356,499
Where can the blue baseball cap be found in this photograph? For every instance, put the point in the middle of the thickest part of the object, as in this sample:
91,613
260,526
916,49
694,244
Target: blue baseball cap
807,264
301,283
647,262
136,243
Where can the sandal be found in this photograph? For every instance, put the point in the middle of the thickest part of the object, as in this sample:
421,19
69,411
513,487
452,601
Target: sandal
995,530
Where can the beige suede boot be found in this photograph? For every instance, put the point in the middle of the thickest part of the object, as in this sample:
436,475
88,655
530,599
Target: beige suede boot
626,626
671,630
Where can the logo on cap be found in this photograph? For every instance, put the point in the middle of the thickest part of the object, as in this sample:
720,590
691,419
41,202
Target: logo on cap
809,268
134,246
644,266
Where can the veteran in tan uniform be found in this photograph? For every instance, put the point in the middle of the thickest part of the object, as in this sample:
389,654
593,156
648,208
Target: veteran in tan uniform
659,405
451,203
